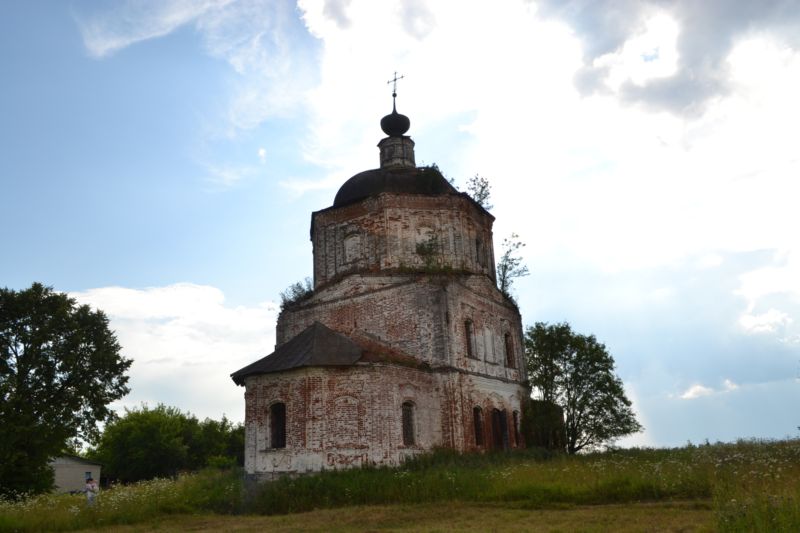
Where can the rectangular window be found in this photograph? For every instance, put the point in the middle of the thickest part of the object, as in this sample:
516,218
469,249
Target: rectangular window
277,422
509,351
469,338
408,424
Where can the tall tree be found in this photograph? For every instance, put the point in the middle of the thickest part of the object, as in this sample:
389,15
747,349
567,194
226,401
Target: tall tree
60,368
576,373
510,265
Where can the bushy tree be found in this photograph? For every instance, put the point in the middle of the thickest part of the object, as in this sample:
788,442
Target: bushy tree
510,265
297,292
576,373
480,190
145,443
60,368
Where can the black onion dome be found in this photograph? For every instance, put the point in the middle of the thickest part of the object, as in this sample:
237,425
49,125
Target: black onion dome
404,180
395,124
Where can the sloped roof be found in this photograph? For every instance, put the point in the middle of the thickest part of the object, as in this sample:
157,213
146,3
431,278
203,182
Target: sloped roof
317,345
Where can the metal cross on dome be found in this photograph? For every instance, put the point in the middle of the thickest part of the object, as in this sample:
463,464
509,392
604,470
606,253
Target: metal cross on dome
393,81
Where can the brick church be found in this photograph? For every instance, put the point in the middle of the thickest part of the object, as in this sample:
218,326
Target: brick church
405,343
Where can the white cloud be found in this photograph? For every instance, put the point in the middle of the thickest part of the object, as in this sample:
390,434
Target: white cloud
779,282
132,22
729,385
185,342
619,187
696,391
254,37
262,155
768,322
648,55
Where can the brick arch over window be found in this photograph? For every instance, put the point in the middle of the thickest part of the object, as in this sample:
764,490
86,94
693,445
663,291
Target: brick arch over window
277,425
409,437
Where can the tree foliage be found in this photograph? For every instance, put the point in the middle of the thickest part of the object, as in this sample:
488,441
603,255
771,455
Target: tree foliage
297,292
510,265
480,190
576,373
145,443
60,368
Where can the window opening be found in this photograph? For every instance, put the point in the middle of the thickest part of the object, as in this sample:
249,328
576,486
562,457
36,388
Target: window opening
509,351
408,424
477,416
277,421
469,333
499,430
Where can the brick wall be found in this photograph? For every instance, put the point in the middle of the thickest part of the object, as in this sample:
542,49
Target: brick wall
383,233
337,418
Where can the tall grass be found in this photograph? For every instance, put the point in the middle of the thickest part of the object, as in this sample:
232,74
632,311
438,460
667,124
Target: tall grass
527,479
752,485
212,490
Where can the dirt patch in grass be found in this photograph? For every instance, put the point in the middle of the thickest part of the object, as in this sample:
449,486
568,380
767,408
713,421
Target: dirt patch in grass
457,516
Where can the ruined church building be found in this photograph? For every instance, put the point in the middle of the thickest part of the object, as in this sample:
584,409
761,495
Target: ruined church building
405,344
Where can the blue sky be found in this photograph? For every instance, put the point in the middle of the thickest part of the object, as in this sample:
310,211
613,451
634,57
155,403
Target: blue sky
161,159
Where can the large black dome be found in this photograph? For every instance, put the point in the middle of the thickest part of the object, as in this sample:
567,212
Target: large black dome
424,180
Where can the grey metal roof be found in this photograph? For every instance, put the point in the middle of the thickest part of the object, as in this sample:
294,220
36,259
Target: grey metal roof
317,345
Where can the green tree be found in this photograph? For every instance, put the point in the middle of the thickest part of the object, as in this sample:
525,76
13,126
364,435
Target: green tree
510,265
60,368
297,292
576,373
145,443
480,190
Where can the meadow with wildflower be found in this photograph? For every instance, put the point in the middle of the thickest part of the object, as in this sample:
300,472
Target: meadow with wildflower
745,486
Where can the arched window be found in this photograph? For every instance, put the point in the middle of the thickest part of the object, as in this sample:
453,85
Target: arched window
499,430
509,351
477,418
277,425
408,424
469,338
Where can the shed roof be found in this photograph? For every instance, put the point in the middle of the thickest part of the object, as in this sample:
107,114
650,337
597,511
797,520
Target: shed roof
317,345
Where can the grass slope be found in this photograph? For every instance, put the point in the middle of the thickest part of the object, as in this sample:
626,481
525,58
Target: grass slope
746,486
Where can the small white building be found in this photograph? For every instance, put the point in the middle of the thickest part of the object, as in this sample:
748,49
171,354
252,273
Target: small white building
71,472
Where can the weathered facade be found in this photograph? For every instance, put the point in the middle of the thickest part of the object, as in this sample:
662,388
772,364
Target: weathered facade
405,343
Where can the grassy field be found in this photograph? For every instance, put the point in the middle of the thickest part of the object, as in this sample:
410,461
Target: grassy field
746,486
455,516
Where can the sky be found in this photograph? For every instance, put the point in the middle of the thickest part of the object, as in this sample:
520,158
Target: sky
160,160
